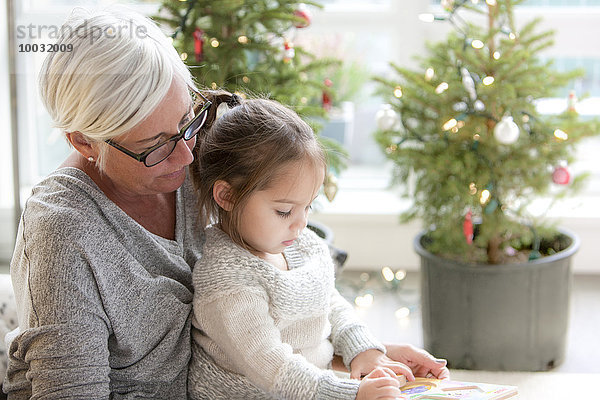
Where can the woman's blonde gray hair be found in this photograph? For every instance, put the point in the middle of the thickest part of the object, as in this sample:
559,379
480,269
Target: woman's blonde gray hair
120,68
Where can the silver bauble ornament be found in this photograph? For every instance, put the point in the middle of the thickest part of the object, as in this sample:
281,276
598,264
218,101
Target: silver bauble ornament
506,131
386,118
478,105
468,83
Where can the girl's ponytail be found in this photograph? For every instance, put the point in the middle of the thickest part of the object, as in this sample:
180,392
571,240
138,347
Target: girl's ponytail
217,97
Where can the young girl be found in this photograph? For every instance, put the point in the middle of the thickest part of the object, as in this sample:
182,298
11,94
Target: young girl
267,317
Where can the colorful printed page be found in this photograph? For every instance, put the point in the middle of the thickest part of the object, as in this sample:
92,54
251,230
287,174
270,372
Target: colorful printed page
434,389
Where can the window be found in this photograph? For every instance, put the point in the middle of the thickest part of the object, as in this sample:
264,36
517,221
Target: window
397,35
369,34
549,3
356,5
6,157
562,3
41,148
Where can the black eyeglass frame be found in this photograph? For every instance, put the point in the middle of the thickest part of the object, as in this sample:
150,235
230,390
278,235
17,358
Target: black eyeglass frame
141,157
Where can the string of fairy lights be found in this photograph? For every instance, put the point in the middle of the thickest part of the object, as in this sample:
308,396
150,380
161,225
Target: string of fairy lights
363,289
506,131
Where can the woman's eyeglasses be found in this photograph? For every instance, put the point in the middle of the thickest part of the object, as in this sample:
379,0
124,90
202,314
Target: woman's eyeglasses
159,152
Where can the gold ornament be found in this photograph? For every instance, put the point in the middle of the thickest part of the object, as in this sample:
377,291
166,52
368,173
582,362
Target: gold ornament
330,186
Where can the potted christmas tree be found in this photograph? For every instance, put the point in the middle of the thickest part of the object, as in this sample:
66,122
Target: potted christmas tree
465,129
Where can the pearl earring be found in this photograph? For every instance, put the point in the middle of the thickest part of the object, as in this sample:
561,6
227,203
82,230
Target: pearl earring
91,159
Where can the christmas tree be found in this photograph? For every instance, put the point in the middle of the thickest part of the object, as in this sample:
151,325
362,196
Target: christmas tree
465,129
247,47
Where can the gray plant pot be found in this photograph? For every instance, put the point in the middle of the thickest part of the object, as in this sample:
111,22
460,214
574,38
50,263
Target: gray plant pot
497,317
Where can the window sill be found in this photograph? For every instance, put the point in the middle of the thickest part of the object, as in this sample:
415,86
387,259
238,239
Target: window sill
364,219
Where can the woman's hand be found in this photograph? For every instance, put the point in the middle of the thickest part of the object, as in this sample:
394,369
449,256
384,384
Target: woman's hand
421,363
380,384
368,360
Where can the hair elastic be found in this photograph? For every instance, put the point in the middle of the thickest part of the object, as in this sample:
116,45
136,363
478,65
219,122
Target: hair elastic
234,100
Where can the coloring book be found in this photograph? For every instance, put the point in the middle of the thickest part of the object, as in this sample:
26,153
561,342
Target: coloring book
434,389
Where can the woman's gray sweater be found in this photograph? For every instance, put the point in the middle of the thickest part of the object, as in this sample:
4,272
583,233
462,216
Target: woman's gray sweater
103,304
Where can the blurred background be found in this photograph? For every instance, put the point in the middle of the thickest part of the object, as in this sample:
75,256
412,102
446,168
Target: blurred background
367,35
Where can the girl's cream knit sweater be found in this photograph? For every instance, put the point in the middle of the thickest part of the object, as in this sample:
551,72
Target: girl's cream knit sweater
273,333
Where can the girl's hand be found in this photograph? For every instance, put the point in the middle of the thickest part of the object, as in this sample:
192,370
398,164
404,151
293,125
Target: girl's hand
421,363
380,384
368,360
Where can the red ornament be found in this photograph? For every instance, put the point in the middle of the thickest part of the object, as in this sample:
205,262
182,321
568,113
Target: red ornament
288,51
468,227
198,33
303,13
572,101
326,98
561,176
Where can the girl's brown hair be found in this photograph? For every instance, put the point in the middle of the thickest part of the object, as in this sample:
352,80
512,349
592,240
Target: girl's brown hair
246,147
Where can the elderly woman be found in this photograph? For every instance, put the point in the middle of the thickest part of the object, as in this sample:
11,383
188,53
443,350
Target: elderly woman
106,243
